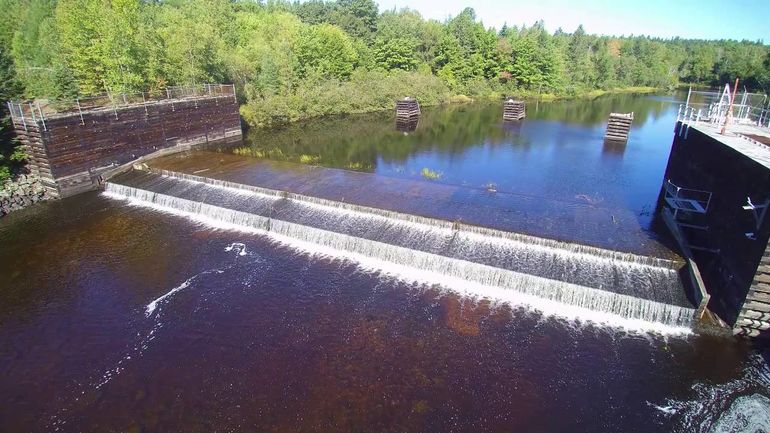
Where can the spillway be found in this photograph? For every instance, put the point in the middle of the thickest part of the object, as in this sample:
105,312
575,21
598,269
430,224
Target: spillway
626,285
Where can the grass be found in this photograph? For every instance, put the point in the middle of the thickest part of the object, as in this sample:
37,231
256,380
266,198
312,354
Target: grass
259,153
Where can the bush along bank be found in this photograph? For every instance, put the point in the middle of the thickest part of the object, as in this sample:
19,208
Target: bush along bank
25,191
369,91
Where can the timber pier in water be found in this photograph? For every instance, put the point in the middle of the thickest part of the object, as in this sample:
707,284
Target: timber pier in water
407,110
74,149
513,110
618,127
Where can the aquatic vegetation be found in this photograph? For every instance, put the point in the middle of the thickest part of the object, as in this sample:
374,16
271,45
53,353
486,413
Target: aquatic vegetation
309,159
430,174
249,151
360,166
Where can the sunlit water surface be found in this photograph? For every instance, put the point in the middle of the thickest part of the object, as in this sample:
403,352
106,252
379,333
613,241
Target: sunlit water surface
121,318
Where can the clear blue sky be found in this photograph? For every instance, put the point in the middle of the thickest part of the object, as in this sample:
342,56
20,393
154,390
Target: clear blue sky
703,19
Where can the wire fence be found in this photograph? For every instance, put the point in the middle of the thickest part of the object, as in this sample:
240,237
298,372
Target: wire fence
28,113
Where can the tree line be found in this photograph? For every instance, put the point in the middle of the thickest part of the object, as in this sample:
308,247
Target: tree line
303,59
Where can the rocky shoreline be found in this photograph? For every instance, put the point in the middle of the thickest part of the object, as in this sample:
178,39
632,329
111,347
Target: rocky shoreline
24,191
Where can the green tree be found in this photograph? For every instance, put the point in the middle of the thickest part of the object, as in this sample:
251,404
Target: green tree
699,64
326,51
194,39
536,63
741,60
9,20
314,11
580,59
81,29
357,17
605,66
10,89
34,48
396,53
122,49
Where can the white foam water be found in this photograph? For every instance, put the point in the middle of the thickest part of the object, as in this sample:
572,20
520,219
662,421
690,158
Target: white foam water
238,247
155,302
739,405
549,296
750,414
584,252
644,277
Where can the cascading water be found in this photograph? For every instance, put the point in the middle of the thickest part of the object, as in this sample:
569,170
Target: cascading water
629,286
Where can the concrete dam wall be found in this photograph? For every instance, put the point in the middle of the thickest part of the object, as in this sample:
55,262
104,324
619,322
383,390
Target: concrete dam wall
71,150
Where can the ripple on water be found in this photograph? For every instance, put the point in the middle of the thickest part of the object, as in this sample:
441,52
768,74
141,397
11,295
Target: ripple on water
740,405
750,413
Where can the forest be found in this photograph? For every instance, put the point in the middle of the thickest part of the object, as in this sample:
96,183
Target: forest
291,61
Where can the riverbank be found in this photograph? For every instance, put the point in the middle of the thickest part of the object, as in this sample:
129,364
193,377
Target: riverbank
24,191
373,91
593,94
587,95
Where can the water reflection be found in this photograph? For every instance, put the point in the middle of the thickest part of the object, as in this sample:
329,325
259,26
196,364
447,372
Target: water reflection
407,126
360,141
557,152
614,149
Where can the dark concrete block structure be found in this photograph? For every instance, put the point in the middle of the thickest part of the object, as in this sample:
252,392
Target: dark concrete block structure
721,189
71,150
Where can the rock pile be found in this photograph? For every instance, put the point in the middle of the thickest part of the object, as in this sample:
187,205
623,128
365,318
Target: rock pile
20,193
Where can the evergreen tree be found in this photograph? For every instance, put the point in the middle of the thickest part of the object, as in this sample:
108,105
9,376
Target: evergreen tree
9,89
580,59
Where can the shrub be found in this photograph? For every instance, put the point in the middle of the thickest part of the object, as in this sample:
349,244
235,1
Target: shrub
366,91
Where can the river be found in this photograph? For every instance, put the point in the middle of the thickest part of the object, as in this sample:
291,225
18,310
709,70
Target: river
116,316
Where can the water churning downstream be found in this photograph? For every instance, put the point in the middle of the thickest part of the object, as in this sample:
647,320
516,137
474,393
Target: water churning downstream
494,263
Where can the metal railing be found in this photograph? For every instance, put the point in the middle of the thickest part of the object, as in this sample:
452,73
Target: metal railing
26,113
686,199
718,108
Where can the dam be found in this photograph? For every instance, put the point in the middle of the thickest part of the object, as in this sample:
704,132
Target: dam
313,270
73,146
716,196
575,257
625,287
580,254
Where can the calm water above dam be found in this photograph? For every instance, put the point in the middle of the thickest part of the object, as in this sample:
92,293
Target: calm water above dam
557,153
118,316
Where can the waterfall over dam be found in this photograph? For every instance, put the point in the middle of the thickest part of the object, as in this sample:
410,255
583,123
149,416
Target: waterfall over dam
626,285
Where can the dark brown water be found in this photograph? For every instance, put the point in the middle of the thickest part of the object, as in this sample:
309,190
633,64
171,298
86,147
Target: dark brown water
121,318
276,340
